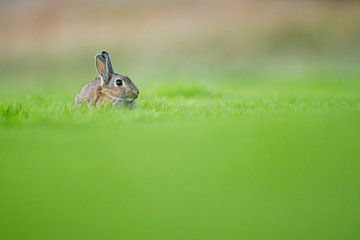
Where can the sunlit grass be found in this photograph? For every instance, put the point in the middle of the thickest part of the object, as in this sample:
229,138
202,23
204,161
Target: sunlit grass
176,104
251,158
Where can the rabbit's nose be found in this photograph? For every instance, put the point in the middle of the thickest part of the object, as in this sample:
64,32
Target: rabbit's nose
133,93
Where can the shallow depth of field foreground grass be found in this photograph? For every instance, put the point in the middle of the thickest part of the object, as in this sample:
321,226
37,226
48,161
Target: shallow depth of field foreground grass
192,161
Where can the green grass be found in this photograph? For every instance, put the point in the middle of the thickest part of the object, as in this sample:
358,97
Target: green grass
262,158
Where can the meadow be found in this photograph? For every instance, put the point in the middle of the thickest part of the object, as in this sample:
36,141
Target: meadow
255,154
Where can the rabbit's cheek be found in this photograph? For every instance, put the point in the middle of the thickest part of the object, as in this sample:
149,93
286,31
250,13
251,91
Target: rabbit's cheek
120,92
112,93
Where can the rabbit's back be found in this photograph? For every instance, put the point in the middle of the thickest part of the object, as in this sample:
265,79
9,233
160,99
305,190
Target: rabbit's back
89,94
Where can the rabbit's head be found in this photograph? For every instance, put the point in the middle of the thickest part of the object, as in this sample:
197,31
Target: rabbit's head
118,88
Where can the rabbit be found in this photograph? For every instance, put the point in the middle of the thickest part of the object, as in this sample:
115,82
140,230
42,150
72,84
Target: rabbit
108,87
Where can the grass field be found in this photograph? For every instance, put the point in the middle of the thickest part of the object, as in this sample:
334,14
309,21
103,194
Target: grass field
248,155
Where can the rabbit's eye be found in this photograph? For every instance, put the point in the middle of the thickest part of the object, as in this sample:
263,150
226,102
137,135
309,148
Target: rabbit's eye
119,82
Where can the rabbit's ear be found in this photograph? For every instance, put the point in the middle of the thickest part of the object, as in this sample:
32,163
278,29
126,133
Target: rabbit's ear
102,67
106,55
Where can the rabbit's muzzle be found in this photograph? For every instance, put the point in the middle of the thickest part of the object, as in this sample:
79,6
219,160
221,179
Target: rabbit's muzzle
133,94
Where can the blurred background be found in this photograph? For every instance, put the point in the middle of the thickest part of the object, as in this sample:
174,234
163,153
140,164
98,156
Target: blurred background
187,41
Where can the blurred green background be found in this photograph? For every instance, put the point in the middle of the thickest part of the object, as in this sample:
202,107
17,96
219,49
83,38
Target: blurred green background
247,124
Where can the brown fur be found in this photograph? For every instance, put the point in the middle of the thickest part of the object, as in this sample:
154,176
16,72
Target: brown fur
103,89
